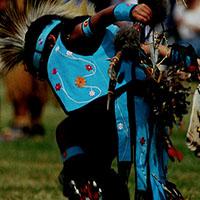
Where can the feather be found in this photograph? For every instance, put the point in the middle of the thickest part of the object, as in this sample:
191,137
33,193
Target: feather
127,40
14,25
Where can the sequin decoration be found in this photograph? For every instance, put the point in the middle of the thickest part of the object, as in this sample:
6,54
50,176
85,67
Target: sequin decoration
54,71
57,49
88,67
40,41
120,126
58,86
142,141
69,53
80,82
92,93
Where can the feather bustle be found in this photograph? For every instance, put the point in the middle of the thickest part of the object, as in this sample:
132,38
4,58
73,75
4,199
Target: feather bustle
14,24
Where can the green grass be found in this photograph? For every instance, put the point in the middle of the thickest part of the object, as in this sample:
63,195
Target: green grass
29,167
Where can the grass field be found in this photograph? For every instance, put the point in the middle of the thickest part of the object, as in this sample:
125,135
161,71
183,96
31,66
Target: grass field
29,167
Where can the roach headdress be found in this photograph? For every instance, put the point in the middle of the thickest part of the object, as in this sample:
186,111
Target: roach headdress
14,25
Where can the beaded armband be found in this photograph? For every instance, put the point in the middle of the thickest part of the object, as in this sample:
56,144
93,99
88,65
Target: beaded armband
86,28
123,11
71,152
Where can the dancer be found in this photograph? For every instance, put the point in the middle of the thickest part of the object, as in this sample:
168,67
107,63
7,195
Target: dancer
75,54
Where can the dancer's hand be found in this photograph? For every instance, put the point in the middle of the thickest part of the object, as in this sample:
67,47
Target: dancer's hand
142,13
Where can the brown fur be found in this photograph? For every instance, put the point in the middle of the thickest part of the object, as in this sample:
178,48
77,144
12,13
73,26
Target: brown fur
22,90
24,93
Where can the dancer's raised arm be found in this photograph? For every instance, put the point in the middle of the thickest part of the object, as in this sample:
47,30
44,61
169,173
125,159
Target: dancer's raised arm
120,12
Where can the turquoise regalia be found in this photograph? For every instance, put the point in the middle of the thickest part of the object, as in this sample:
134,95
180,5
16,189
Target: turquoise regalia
77,80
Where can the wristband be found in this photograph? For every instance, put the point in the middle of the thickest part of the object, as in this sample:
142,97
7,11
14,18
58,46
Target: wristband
86,28
71,152
123,11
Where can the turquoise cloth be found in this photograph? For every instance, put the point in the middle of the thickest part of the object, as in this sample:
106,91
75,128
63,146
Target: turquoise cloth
77,80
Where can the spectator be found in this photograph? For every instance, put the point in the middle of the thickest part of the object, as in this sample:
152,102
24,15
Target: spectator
187,20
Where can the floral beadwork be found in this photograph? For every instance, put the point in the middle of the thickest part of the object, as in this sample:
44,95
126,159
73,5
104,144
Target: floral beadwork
92,93
88,67
142,141
58,86
69,53
54,71
80,82
120,126
40,41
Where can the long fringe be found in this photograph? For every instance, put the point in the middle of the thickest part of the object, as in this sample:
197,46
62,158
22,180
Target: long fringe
14,25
